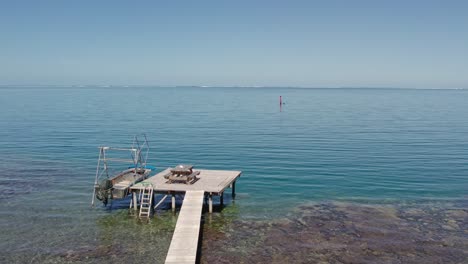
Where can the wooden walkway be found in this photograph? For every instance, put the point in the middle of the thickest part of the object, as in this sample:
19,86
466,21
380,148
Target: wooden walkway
184,244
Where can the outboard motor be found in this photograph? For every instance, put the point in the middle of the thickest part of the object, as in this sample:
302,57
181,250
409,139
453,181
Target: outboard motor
103,191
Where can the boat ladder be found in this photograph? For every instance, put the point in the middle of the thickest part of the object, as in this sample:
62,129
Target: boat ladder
146,200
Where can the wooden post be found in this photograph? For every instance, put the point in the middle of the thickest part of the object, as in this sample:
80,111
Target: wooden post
153,201
173,203
221,199
234,190
135,198
210,203
131,202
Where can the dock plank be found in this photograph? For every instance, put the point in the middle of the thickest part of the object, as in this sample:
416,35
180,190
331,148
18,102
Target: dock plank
184,243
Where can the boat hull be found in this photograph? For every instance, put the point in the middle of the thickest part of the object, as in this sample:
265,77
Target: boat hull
118,186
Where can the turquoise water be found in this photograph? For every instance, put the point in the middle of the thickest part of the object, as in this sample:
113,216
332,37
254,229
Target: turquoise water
358,145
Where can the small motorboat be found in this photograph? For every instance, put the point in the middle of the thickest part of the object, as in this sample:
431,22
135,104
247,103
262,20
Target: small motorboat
108,187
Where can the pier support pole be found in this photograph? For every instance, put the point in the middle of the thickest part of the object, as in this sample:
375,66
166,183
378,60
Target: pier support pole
135,198
210,203
131,201
153,200
233,190
173,203
221,199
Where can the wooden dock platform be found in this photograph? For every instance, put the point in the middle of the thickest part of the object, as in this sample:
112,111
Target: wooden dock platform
184,243
211,182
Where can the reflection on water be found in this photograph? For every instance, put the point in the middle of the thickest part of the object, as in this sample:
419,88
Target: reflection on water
344,233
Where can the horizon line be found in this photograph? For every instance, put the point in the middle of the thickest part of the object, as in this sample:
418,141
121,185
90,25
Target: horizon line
218,86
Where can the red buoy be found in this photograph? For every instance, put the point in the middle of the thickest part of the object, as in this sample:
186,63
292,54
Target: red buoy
281,103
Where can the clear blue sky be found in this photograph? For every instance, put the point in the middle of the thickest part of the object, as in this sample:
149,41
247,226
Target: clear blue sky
281,43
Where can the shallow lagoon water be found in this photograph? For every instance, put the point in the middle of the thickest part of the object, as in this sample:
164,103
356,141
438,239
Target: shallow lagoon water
366,147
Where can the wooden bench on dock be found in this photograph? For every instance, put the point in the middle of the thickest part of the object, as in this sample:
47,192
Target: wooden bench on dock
182,174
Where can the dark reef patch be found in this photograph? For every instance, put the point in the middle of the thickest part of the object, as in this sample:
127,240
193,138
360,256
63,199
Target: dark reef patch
344,233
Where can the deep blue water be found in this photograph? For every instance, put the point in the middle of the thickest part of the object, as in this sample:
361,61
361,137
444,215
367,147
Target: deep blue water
360,145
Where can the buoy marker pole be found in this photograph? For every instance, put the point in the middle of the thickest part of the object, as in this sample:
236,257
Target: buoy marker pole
281,103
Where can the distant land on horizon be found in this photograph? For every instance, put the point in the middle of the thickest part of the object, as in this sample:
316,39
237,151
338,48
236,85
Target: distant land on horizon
298,44
218,86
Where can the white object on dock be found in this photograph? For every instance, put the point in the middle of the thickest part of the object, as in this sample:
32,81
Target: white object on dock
184,244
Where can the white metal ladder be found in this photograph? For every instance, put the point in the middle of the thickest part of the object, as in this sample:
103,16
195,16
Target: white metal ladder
146,200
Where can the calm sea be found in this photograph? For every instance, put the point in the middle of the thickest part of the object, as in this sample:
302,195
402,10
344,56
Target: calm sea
371,146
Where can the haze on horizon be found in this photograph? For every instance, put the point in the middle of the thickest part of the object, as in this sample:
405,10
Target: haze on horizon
407,44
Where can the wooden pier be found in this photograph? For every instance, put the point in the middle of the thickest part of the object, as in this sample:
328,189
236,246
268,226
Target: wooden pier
184,243
211,182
